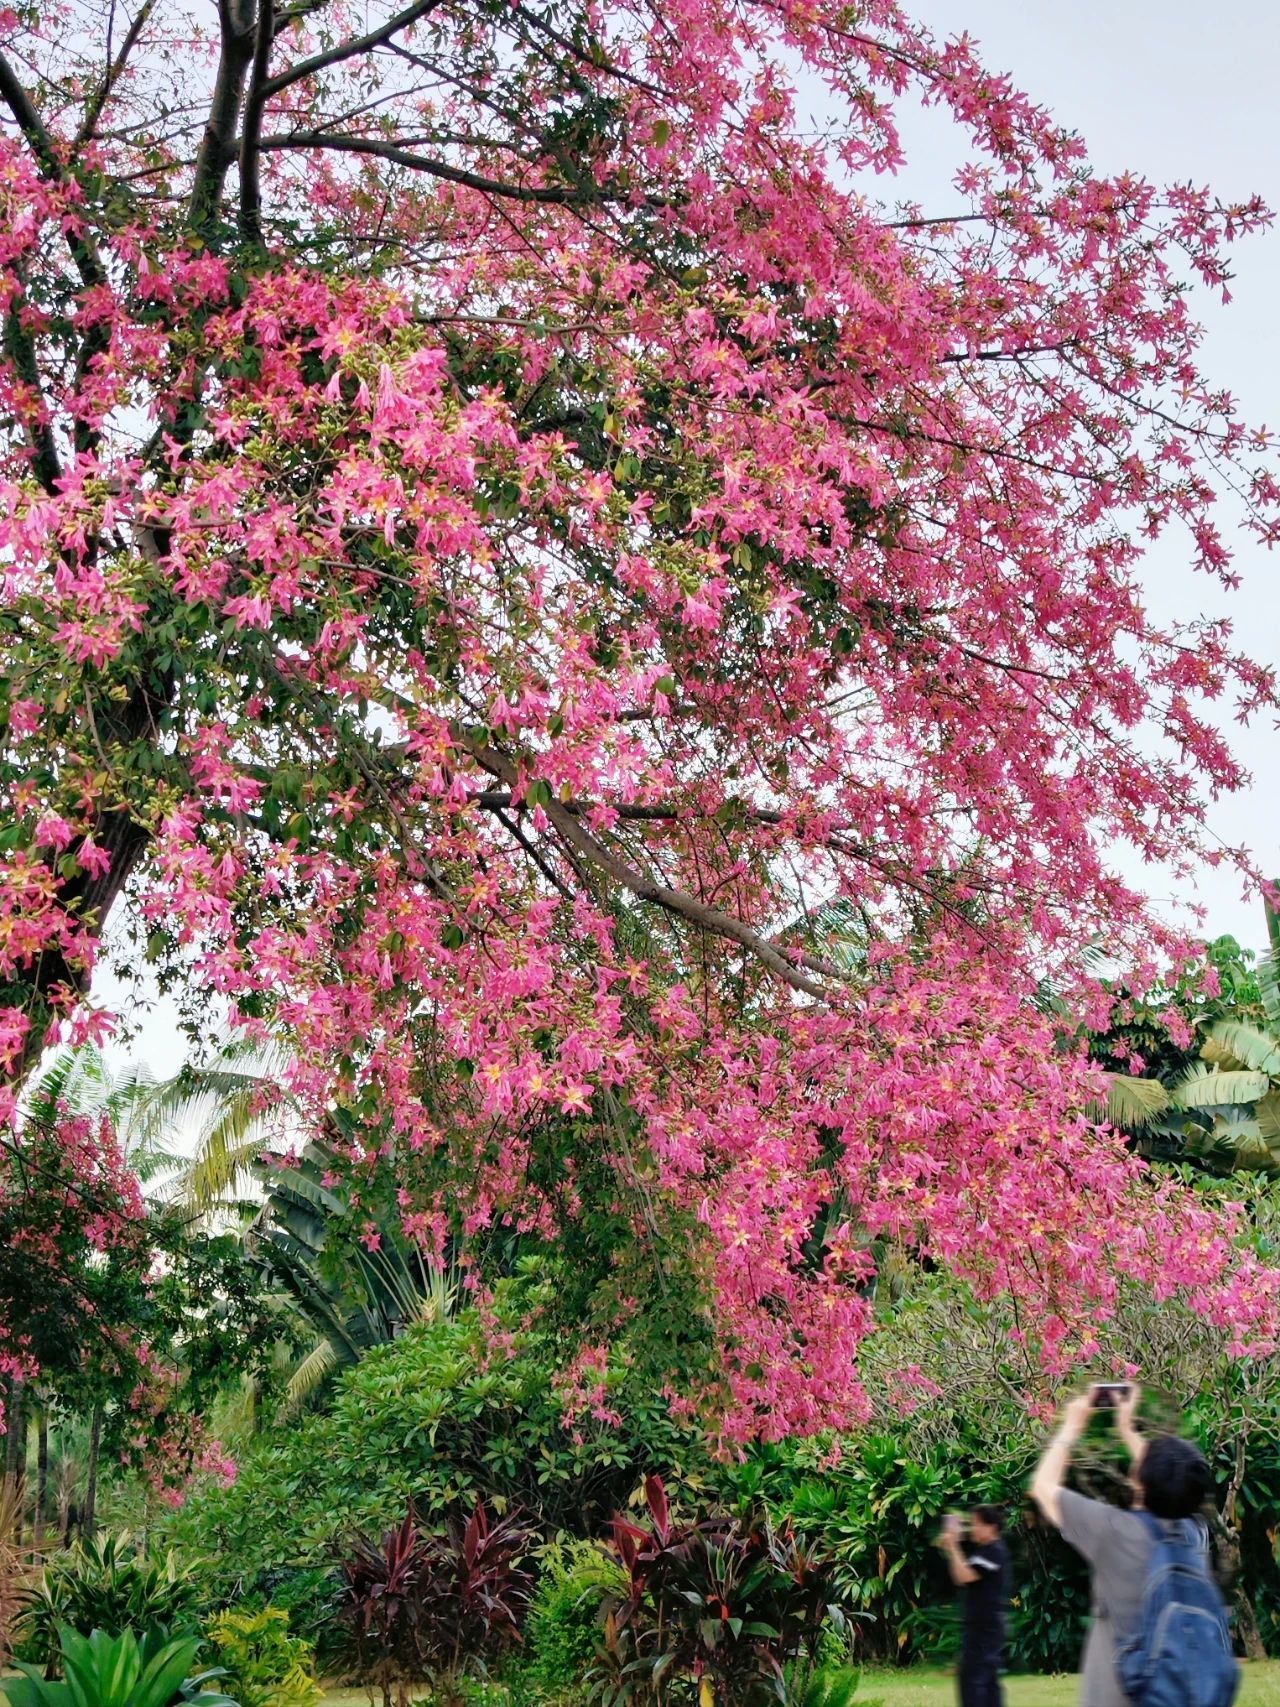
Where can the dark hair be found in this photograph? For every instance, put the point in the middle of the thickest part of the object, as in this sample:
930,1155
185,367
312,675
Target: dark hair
992,1514
1174,1477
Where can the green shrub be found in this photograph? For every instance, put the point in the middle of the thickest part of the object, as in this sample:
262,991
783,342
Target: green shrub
431,1421
877,1513
563,1628
265,1665
110,1585
835,1686
121,1671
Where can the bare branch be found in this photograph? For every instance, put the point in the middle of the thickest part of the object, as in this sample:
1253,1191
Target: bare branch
439,169
98,100
677,901
499,799
348,49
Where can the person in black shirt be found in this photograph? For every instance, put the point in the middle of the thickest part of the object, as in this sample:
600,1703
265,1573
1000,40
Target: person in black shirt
981,1572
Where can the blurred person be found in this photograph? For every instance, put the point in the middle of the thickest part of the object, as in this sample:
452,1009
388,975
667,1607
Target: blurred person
981,1572
1158,1632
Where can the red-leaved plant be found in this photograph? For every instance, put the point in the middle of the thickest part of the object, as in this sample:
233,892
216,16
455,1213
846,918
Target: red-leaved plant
436,1605
727,1601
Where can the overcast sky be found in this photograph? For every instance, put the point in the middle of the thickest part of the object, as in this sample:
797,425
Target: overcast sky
1177,91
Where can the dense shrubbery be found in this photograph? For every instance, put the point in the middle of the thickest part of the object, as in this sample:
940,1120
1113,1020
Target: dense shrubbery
563,1631
726,1603
265,1666
442,1605
428,1422
877,1511
110,1585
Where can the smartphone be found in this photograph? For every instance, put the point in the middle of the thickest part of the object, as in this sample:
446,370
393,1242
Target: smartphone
1108,1394
953,1523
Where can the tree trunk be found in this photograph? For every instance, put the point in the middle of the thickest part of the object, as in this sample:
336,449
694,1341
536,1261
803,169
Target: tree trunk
42,1476
1246,1619
15,1453
89,1516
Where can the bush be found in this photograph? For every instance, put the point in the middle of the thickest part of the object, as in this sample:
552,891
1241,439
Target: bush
436,1605
563,1631
728,1602
429,1421
110,1585
265,1665
121,1671
877,1512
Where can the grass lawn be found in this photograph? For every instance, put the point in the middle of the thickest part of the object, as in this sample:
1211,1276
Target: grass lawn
922,1687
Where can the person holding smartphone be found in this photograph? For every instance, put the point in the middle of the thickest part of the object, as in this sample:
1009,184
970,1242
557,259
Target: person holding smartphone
981,1573
1168,1477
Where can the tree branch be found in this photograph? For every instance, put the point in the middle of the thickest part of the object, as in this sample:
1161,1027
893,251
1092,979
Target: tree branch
562,197
676,901
83,250
217,146
250,218
348,49
98,100
499,799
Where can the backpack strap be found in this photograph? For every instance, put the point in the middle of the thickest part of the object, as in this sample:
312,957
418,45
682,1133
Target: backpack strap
1190,1532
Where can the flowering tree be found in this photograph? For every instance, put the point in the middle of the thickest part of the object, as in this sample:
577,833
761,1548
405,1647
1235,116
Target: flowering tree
514,553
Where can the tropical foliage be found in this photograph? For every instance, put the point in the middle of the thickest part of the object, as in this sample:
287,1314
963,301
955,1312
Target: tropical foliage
121,1671
729,1603
1210,1088
106,1584
264,1665
441,1605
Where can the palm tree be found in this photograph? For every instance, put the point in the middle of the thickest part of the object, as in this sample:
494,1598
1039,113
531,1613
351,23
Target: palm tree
239,1109
355,1289
348,1295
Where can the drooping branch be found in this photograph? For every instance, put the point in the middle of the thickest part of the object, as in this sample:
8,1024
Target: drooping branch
676,901
500,799
549,194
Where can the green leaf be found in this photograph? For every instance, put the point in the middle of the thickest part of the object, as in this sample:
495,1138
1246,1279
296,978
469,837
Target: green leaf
1134,1103
1210,1088
1246,1044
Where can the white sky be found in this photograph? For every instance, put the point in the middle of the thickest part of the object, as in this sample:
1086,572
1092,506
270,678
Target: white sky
1178,92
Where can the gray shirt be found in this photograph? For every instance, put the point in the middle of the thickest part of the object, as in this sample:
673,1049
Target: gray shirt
1117,1545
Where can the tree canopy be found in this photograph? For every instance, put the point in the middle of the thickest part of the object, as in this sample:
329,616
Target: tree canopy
507,534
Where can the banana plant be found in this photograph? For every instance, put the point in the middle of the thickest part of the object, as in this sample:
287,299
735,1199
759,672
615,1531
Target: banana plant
1223,1109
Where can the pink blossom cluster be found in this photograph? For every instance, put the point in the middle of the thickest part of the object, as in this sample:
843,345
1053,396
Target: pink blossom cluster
691,642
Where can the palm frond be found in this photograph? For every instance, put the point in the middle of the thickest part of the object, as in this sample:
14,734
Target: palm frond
313,1371
1133,1104
1202,1086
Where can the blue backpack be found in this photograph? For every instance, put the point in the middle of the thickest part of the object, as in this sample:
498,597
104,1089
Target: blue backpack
1179,1653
